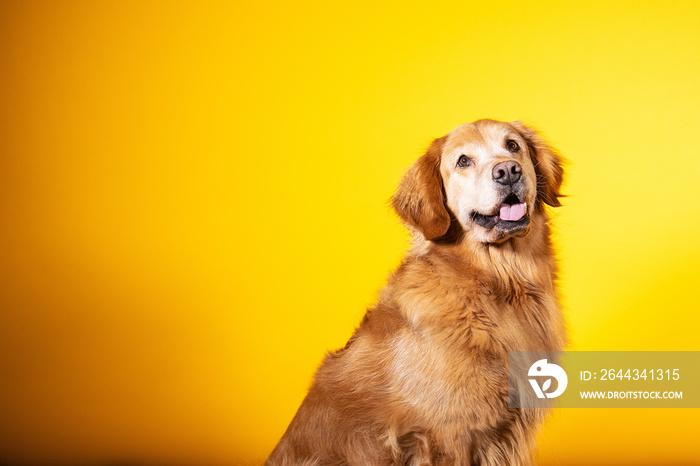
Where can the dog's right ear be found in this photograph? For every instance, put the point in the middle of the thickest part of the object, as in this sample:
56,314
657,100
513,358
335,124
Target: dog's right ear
420,201
548,162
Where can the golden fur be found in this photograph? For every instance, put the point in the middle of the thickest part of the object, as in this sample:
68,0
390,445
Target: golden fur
423,380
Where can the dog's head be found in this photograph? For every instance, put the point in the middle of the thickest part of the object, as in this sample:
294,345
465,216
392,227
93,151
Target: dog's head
491,177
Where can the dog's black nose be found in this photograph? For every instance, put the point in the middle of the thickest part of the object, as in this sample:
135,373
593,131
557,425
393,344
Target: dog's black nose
506,173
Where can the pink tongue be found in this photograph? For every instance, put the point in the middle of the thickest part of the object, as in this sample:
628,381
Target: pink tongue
512,212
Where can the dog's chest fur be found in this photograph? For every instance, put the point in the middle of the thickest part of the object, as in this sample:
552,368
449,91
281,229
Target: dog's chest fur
451,351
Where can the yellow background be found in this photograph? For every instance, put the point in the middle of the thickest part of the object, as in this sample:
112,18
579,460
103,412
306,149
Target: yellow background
193,204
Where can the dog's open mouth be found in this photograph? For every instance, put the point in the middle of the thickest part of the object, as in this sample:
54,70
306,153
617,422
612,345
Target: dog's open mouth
511,215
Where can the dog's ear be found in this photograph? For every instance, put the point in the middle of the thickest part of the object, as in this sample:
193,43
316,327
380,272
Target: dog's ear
420,201
548,164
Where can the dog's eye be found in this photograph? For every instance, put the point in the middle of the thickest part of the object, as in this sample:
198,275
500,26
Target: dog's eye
465,161
512,146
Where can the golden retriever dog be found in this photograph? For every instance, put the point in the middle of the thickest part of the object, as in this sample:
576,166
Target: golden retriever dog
423,380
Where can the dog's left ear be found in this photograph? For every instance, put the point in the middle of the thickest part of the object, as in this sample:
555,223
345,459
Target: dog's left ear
420,201
548,165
